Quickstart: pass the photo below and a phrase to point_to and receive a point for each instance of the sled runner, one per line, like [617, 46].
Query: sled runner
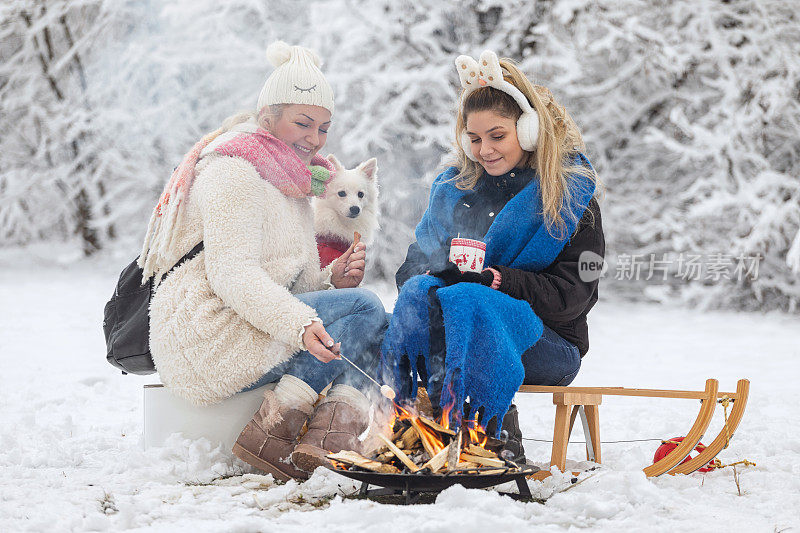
[570, 401]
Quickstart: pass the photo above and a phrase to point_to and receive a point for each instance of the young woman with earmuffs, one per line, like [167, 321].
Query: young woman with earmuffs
[521, 184]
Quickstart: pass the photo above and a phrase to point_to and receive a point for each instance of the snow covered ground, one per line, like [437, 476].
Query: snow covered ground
[71, 456]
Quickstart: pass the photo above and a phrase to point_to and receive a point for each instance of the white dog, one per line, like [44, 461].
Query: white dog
[349, 206]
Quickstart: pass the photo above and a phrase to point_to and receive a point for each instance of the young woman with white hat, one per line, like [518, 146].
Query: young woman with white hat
[253, 307]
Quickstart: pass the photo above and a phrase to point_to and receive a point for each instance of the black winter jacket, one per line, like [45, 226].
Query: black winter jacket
[556, 294]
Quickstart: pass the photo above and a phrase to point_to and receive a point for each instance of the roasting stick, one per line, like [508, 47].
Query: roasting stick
[386, 390]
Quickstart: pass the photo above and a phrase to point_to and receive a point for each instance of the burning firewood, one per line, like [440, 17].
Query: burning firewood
[453, 451]
[384, 456]
[438, 461]
[426, 445]
[353, 458]
[421, 444]
[480, 452]
[437, 427]
[490, 471]
[409, 440]
[423, 404]
[399, 454]
[485, 461]
[398, 430]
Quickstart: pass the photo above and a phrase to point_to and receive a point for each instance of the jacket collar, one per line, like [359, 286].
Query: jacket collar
[511, 182]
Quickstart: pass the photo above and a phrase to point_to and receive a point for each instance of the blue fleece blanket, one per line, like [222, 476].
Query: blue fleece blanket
[486, 331]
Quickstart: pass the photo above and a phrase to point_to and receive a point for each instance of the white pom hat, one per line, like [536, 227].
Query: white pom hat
[296, 79]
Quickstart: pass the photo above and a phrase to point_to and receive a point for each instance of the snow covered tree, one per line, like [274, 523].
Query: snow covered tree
[172, 76]
[101, 99]
[50, 171]
[691, 111]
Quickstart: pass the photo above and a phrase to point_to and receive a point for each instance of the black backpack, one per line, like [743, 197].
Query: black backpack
[126, 320]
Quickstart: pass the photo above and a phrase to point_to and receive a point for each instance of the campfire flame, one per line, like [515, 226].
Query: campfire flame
[415, 442]
[476, 432]
[445, 421]
[430, 438]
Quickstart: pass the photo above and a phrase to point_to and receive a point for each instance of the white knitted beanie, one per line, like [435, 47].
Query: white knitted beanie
[296, 79]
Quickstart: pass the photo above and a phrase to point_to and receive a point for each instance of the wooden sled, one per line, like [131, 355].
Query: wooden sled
[570, 401]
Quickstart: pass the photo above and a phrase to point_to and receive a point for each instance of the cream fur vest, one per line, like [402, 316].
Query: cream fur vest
[222, 320]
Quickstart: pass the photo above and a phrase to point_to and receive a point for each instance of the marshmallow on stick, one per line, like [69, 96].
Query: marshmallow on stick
[386, 390]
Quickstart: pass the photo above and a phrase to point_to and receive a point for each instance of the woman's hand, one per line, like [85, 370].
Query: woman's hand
[450, 274]
[318, 343]
[484, 278]
[348, 270]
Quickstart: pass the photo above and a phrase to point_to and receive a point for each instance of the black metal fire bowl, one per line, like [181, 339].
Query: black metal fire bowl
[412, 485]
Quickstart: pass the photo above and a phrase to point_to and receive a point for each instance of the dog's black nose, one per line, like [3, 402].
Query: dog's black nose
[354, 210]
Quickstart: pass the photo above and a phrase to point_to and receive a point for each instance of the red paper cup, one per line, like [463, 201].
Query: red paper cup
[468, 254]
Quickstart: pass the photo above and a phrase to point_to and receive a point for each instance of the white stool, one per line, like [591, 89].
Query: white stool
[221, 423]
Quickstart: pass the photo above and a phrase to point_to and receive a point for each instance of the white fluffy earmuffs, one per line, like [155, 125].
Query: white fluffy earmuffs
[474, 75]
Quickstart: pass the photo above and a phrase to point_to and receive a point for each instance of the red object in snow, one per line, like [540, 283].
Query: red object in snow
[330, 249]
[669, 445]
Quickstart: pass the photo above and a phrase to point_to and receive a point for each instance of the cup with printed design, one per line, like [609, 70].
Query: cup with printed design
[467, 254]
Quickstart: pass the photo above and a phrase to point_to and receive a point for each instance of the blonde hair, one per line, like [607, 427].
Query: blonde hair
[559, 139]
[262, 118]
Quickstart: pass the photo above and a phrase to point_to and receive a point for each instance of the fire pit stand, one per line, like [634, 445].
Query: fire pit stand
[412, 486]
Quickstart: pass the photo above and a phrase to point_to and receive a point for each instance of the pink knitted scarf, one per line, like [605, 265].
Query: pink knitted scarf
[275, 162]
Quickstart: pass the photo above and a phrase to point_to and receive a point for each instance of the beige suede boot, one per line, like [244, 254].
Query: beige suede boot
[337, 422]
[267, 441]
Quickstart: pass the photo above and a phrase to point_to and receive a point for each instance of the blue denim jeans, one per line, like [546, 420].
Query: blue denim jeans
[551, 361]
[354, 317]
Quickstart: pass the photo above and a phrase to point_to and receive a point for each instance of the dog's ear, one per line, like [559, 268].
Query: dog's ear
[335, 162]
[369, 168]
